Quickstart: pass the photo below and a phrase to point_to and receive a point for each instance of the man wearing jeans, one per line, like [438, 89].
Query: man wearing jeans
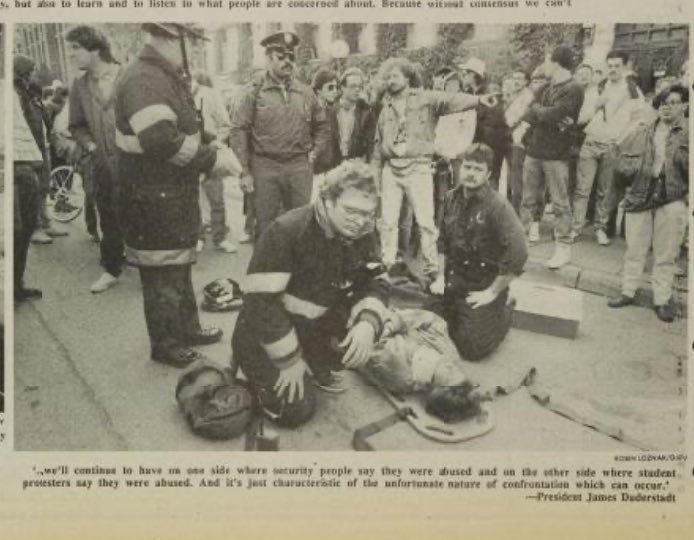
[404, 147]
[610, 110]
[656, 203]
[548, 145]
[92, 123]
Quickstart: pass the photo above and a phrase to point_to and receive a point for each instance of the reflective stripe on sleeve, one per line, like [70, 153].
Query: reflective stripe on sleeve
[128, 143]
[267, 282]
[150, 115]
[186, 152]
[371, 303]
[283, 348]
[304, 308]
[159, 257]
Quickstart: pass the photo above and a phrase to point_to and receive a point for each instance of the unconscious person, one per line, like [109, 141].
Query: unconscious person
[416, 356]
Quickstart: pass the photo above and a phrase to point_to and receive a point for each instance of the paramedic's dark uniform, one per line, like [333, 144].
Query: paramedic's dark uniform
[160, 158]
[481, 238]
[305, 286]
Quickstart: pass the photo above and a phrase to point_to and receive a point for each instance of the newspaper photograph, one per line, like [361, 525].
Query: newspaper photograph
[433, 253]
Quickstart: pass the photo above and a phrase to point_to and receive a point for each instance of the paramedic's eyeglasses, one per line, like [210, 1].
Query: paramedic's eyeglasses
[285, 56]
[354, 214]
[669, 103]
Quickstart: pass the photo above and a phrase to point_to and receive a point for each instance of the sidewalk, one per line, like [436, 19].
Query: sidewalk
[596, 269]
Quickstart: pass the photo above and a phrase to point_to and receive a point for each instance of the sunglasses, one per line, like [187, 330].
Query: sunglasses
[281, 56]
[332, 87]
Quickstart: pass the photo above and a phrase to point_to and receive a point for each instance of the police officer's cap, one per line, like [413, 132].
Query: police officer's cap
[280, 41]
[174, 30]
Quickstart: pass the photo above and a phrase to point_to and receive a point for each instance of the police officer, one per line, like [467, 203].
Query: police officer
[277, 129]
[160, 159]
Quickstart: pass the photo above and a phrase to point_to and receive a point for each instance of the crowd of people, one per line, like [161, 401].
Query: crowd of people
[340, 178]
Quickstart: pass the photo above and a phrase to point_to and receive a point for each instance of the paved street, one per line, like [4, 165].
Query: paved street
[84, 381]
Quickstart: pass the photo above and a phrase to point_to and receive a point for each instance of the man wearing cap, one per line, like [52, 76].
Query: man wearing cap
[160, 159]
[548, 148]
[490, 125]
[276, 130]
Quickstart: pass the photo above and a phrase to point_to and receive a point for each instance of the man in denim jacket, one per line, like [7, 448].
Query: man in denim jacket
[405, 136]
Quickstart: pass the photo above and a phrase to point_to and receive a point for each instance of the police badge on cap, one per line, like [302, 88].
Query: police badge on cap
[280, 41]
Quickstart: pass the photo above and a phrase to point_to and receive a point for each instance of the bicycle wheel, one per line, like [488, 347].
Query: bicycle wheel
[65, 194]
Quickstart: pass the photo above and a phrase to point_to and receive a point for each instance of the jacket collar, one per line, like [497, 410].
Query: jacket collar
[150, 54]
[270, 81]
[675, 126]
[321, 214]
[480, 194]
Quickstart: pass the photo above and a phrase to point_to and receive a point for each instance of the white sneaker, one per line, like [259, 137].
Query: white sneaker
[200, 246]
[105, 282]
[245, 238]
[602, 238]
[574, 236]
[534, 232]
[562, 256]
[226, 247]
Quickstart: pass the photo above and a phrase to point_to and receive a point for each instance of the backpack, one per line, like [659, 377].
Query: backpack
[215, 404]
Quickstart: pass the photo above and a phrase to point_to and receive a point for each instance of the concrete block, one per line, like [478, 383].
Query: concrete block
[547, 309]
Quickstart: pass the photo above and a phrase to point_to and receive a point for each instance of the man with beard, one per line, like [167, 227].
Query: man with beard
[277, 129]
[314, 298]
[405, 136]
[92, 124]
[482, 250]
[160, 159]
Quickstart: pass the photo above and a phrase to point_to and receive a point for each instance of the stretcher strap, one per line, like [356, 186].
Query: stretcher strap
[359, 439]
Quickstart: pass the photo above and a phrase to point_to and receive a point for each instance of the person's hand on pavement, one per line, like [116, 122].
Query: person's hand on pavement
[291, 382]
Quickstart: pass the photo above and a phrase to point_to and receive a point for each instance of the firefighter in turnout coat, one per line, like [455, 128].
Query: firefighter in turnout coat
[160, 159]
[315, 297]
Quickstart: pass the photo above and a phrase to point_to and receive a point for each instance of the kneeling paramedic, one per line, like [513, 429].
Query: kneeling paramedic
[483, 249]
[315, 298]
